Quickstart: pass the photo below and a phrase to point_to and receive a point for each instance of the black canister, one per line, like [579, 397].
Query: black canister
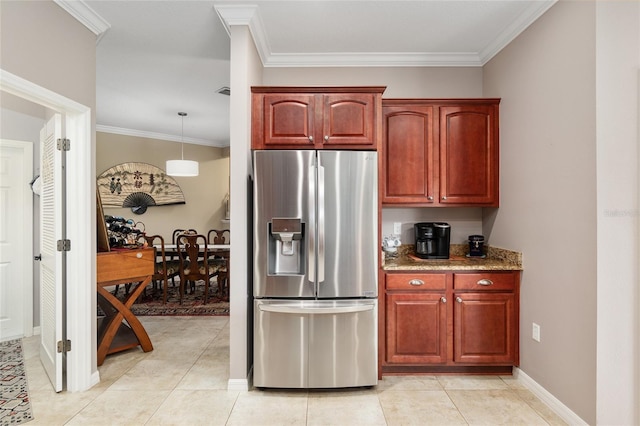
[476, 245]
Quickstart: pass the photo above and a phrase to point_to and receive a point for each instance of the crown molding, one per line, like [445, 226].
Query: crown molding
[85, 15]
[248, 15]
[531, 14]
[161, 136]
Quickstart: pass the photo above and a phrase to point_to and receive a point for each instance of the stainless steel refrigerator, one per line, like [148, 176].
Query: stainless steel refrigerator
[315, 268]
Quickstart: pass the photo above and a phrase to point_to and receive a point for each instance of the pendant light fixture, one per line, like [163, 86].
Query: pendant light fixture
[182, 167]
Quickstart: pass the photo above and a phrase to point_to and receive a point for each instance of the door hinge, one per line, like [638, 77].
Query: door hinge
[64, 346]
[64, 245]
[64, 144]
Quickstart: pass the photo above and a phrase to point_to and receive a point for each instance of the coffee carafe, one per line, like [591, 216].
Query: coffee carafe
[432, 240]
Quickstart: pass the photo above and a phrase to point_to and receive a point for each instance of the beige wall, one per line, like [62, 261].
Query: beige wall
[45, 45]
[204, 195]
[546, 79]
[404, 82]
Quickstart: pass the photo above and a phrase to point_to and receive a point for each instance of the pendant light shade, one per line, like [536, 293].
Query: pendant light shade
[182, 167]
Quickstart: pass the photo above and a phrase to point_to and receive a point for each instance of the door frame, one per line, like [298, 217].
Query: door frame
[26, 147]
[81, 366]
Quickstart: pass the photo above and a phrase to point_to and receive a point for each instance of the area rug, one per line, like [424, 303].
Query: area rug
[150, 303]
[15, 407]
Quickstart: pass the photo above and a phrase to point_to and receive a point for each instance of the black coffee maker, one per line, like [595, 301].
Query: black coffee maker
[432, 240]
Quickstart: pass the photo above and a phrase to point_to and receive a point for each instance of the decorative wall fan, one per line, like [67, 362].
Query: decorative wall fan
[138, 186]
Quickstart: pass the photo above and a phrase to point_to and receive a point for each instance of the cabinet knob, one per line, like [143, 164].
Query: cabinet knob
[443, 299]
[430, 198]
[311, 139]
[459, 299]
[416, 282]
[444, 197]
[484, 281]
[326, 138]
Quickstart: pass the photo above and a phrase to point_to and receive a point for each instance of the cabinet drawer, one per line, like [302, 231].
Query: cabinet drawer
[416, 281]
[124, 264]
[484, 281]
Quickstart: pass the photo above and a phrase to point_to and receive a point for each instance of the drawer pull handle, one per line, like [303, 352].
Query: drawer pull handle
[459, 299]
[416, 282]
[443, 299]
[139, 255]
[485, 281]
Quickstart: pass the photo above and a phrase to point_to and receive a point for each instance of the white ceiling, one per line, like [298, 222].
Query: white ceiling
[156, 58]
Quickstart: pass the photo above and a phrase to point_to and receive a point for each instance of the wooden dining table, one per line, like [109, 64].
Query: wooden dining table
[210, 247]
[222, 250]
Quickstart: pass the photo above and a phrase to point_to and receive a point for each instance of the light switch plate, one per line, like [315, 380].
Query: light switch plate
[535, 335]
[397, 228]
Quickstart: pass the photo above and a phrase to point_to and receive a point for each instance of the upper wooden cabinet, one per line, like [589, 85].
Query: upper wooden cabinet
[316, 117]
[408, 153]
[440, 152]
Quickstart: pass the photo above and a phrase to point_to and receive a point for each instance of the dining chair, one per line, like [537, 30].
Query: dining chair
[221, 236]
[174, 240]
[196, 264]
[177, 232]
[165, 267]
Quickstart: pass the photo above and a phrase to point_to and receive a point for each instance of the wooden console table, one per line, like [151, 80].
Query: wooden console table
[121, 267]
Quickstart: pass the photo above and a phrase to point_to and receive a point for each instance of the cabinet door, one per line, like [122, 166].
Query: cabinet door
[416, 328]
[407, 154]
[484, 328]
[288, 119]
[349, 119]
[469, 154]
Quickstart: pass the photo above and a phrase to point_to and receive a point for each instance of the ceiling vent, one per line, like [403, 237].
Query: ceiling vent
[224, 91]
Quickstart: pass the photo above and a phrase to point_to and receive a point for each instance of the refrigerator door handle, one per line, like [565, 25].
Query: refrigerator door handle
[321, 207]
[284, 309]
[311, 229]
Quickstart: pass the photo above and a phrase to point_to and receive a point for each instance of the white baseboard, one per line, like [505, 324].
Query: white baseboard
[95, 379]
[238, 385]
[545, 396]
[241, 384]
[36, 331]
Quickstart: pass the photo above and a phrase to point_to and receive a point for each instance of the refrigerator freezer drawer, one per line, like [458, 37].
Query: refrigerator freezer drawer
[315, 344]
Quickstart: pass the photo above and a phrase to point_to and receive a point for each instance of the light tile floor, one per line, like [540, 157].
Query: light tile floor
[183, 381]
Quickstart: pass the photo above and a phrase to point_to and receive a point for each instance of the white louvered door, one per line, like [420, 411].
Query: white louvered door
[51, 267]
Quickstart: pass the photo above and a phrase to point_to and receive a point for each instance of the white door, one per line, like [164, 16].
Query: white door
[16, 253]
[51, 270]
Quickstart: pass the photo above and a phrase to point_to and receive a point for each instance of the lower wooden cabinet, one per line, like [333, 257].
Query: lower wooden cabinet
[450, 322]
[484, 328]
[416, 328]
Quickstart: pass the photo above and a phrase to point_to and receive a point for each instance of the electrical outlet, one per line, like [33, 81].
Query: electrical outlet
[397, 228]
[535, 335]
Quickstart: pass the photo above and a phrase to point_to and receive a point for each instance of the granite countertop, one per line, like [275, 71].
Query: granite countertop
[497, 259]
